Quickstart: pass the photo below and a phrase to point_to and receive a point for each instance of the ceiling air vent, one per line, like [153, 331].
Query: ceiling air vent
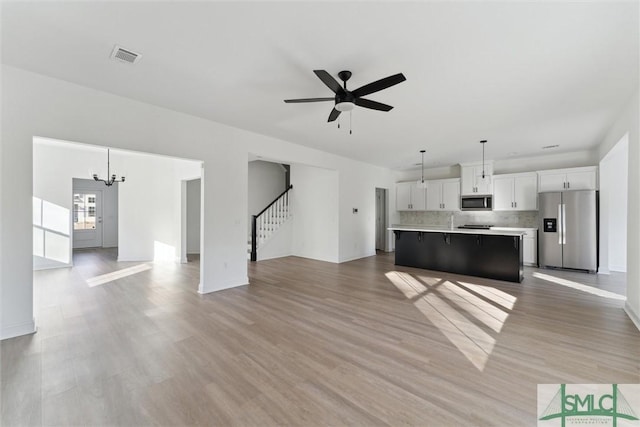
[124, 55]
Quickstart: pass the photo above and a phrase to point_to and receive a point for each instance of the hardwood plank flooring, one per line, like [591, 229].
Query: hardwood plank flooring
[308, 343]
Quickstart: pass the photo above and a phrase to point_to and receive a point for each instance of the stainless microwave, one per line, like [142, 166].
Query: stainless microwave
[476, 203]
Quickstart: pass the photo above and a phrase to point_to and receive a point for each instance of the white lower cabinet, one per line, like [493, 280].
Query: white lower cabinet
[529, 251]
[529, 244]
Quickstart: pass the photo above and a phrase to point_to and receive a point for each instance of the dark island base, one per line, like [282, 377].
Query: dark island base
[491, 256]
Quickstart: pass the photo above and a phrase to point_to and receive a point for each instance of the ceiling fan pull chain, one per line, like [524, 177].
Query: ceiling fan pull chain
[338, 122]
[350, 115]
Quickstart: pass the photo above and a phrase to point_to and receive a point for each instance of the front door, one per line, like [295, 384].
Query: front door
[87, 219]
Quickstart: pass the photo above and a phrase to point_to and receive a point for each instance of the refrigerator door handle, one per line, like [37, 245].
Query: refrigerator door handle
[564, 224]
[560, 224]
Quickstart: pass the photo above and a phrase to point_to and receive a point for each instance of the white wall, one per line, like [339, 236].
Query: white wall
[279, 244]
[613, 175]
[35, 105]
[629, 122]
[193, 216]
[53, 173]
[150, 206]
[109, 205]
[314, 206]
[266, 182]
[149, 201]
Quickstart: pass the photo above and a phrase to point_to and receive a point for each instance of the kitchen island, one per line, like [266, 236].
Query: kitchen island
[485, 253]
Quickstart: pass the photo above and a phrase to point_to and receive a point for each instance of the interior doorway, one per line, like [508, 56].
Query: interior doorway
[193, 219]
[381, 219]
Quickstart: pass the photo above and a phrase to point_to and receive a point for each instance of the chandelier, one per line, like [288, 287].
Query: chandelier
[110, 179]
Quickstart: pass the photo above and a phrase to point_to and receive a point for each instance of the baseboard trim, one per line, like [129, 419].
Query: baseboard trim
[273, 256]
[635, 318]
[221, 287]
[24, 328]
[358, 257]
[125, 259]
[52, 267]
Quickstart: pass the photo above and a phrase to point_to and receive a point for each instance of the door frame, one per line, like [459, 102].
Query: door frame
[383, 205]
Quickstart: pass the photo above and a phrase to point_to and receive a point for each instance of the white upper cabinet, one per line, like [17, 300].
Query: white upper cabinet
[418, 198]
[409, 197]
[473, 183]
[502, 193]
[403, 196]
[515, 192]
[434, 196]
[585, 178]
[525, 192]
[451, 195]
[443, 195]
[582, 179]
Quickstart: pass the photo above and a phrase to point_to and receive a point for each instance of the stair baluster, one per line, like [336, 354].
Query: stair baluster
[265, 223]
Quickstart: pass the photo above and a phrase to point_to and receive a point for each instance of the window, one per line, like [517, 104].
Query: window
[84, 211]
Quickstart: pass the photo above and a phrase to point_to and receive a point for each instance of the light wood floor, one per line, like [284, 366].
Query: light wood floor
[308, 343]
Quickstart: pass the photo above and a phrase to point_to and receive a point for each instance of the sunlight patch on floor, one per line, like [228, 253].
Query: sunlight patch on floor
[450, 305]
[579, 286]
[493, 294]
[487, 313]
[406, 283]
[115, 275]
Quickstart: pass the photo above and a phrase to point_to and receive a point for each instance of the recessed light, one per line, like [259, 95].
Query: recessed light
[546, 147]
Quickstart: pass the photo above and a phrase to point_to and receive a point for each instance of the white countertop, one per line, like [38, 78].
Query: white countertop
[502, 231]
[515, 228]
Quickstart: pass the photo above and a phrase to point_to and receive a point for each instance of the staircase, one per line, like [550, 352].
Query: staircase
[267, 222]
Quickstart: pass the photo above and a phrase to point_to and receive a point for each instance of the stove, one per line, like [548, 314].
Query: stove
[477, 226]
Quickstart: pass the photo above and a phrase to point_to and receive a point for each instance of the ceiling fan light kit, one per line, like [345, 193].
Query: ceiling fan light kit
[345, 100]
[344, 106]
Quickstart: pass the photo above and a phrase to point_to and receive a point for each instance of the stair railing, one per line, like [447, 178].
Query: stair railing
[267, 221]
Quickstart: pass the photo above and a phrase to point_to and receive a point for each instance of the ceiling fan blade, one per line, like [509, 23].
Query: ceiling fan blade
[334, 115]
[328, 80]
[379, 85]
[293, 101]
[366, 103]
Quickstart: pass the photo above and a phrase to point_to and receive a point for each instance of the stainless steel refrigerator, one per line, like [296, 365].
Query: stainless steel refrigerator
[568, 233]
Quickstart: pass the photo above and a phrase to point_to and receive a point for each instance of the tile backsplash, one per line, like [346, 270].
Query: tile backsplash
[528, 219]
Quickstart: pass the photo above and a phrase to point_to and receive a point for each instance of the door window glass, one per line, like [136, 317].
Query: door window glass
[84, 211]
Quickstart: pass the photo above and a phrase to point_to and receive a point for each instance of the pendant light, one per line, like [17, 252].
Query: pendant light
[110, 179]
[422, 183]
[483, 142]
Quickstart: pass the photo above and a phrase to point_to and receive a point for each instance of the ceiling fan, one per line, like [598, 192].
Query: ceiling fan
[344, 99]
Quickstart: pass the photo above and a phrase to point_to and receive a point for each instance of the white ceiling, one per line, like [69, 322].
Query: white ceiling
[521, 74]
